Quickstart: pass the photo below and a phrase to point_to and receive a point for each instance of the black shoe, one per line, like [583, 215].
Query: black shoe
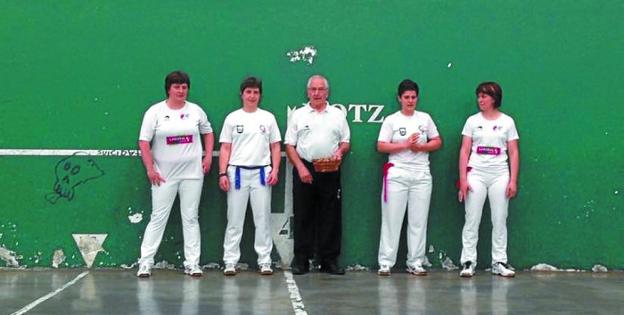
[333, 269]
[299, 269]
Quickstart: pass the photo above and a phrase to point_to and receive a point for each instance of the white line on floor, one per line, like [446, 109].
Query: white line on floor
[295, 297]
[49, 295]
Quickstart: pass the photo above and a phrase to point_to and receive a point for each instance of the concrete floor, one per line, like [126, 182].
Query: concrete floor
[170, 292]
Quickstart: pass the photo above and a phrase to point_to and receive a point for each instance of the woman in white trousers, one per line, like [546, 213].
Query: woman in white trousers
[407, 136]
[171, 148]
[488, 168]
[249, 162]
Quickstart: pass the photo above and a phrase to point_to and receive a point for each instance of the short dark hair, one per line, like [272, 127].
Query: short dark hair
[176, 77]
[407, 85]
[492, 89]
[251, 82]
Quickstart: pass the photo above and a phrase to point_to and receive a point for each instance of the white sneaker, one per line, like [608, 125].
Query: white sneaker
[468, 270]
[193, 271]
[384, 270]
[503, 269]
[265, 269]
[416, 270]
[145, 271]
[230, 270]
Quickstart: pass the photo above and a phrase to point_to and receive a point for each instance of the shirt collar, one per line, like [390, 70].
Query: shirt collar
[311, 109]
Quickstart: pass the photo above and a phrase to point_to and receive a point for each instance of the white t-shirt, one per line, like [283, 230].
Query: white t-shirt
[251, 135]
[489, 141]
[398, 127]
[175, 139]
[317, 134]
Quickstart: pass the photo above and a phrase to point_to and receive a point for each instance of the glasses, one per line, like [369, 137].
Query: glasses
[321, 89]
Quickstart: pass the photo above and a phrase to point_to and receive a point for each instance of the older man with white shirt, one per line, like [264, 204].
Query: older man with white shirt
[317, 131]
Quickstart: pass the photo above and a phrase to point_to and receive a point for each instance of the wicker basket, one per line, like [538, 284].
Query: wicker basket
[326, 165]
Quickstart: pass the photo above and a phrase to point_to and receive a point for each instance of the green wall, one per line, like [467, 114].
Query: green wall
[80, 74]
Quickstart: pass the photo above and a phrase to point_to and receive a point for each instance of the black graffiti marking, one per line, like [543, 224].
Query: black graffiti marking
[118, 152]
[287, 228]
[71, 172]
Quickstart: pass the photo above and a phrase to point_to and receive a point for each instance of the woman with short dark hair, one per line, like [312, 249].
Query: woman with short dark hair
[488, 167]
[407, 136]
[249, 162]
[171, 149]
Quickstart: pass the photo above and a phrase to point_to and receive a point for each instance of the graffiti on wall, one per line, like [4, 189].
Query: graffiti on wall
[71, 172]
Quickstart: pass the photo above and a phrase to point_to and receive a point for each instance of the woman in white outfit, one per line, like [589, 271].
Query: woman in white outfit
[171, 149]
[407, 136]
[488, 167]
[249, 162]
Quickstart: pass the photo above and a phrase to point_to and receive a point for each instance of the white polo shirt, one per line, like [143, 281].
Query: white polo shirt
[251, 135]
[317, 134]
[398, 127]
[489, 141]
[175, 136]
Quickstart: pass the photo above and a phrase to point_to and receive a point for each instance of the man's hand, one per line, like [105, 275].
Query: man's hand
[304, 174]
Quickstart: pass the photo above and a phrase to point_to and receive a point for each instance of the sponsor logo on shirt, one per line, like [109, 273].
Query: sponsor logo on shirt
[262, 129]
[402, 131]
[167, 117]
[499, 128]
[239, 128]
[180, 139]
[184, 116]
[488, 150]
[422, 128]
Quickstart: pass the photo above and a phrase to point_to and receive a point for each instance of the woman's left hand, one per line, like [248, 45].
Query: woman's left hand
[272, 179]
[511, 190]
[206, 163]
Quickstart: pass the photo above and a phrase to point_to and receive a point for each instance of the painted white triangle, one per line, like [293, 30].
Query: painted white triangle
[280, 222]
[282, 237]
[89, 245]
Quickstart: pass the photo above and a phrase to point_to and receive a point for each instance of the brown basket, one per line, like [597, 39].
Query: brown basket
[326, 165]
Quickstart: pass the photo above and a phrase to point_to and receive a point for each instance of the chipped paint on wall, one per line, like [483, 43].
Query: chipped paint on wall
[547, 267]
[448, 264]
[164, 265]
[9, 257]
[305, 54]
[36, 257]
[134, 215]
[58, 258]
[135, 218]
[445, 261]
[212, 266]
[242, 266]
[426, 262]
[356, 268]
[124, 266]
[544, 267]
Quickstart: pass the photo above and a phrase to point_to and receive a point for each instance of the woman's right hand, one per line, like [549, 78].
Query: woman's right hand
[155, 178]
[464, 188]
[224, 183]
